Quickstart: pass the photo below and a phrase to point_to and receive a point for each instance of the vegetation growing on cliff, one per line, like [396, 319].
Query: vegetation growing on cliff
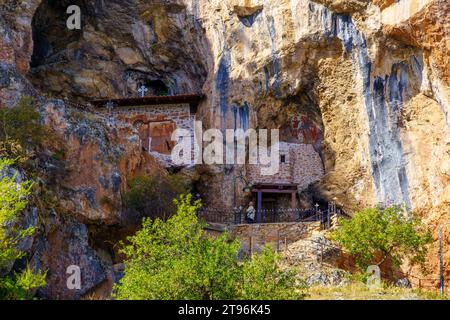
[22, 124]
[175, 260]
[13, 200]
[375, 234]
[21, 132]
[152, 196]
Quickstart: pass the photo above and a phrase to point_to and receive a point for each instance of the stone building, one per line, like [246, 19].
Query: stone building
[299, 166]
[155, 118]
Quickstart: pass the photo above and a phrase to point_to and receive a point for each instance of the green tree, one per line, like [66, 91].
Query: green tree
[263, 279]
[375, 234]
[176, 260]
[13, 200]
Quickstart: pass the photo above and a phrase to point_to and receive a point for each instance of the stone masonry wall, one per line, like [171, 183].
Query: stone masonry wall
[179, 113]
[277, 235]
[302, 166]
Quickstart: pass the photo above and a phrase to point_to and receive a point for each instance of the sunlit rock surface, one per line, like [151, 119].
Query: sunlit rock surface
[369, 78]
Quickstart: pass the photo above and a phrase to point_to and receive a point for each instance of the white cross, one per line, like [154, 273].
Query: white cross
[110, 106]
[142, 90]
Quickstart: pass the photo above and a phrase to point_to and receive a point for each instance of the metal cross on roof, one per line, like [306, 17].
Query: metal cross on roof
[109, 106]
[142, 90]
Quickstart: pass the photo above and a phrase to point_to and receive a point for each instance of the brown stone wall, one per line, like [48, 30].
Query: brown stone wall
[157, 122]
[179, 113]
[302, 166]
[277, 235]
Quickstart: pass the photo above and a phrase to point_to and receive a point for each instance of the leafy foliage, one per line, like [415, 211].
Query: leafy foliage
[13, 199]
[11, 149]
[152, 196]
[22, 124]
[176, 260]
[12, 202]
[21, 285]
[264, 280]
[375, 234]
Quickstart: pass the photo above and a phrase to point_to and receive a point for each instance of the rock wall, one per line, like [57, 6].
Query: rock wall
[84, 174]
[370, 77]
[121, 46]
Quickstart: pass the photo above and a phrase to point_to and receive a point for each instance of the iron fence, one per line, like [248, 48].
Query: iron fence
[280, 215]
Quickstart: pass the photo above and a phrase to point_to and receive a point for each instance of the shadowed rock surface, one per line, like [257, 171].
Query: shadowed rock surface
[368, 79]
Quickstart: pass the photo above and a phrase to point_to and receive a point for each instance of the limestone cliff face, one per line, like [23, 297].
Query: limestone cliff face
[369, 77]
[372, 76]
[100, 155]
[84, 174]
[343, 70]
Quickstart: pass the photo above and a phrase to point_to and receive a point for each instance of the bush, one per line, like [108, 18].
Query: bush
[152, 196]
[21, 285]
[13, 200]
[263, 280]
[375, 234]
[175, 260]
[22, 124]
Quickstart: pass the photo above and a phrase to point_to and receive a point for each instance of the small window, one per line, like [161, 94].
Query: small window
[283, 158]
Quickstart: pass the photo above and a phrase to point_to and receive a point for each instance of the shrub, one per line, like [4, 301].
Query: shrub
[22, 285]
[375, 234]
[175, 260]
[13, 200]
[263, 280]
[22, 124]
[13, 150]
[152, 196]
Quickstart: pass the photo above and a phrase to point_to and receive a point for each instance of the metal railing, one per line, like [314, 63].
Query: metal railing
[280, 215]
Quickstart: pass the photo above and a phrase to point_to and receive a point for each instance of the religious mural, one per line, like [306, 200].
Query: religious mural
[301, 129]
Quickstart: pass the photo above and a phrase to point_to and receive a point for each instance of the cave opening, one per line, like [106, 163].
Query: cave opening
[249, 20]
[157, 88]
[113, 55]
[51, 36]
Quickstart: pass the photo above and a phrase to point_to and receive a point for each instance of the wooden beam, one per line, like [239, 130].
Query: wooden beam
[274, 191]
[294, 200]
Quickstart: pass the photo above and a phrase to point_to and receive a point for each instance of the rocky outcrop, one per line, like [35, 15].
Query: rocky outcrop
[344, 72]
[83, 175]
[369, 79]
[316, 256]
[121, 46]
[59, 250]
[100, 155]
[16, 47]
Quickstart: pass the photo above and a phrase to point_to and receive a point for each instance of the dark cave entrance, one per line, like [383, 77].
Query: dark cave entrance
[84, 64]
[157, 88]
[156, 85]
[50, 33]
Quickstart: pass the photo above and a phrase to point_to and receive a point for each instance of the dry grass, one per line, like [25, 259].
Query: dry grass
[359, 291]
